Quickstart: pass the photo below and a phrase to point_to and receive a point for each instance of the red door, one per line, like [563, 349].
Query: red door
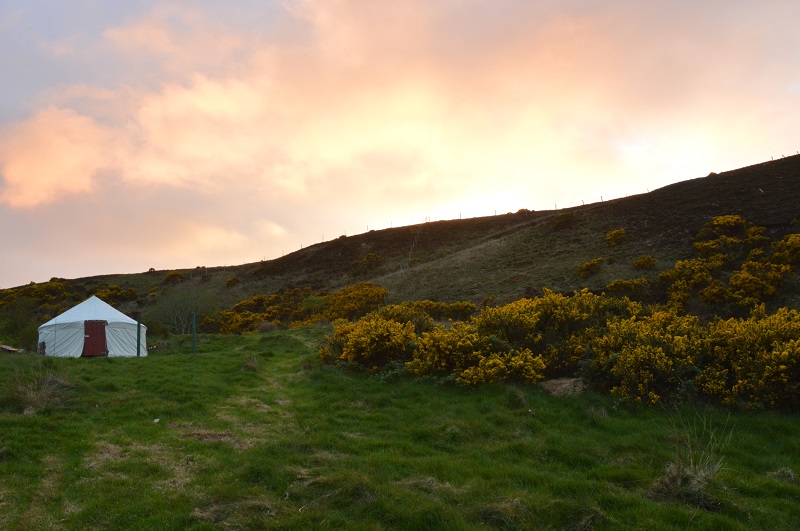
[94, 339]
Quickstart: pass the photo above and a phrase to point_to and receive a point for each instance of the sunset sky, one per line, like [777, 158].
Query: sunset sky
[173, 134]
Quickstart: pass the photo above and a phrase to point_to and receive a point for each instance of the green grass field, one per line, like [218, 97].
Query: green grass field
[253, 432]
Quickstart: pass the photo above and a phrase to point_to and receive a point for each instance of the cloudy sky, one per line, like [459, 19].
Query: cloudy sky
[173, 134]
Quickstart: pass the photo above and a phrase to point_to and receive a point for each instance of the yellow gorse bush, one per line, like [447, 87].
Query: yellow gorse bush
[615, 237]
[787, 251]
[754, 362]
[445, 351]
[648, 354]
[515, 366]
[645, 358]
[371, 342]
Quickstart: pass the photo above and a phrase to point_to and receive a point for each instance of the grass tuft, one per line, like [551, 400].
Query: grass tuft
[36, 390]
[509, 513]
[590, 519]
[517, 399]
[250, 363]
[690, 476]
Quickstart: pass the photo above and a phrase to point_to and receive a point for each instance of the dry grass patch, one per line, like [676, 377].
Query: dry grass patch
[344, 487]
[210, 436]
[180, 467]
[254, 513]
[105, 453]
[250, 433]
[38, 390]
[430, 485]
[250, 403]
[565, 386]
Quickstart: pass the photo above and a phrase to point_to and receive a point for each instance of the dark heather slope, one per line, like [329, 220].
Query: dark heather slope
[514, 255]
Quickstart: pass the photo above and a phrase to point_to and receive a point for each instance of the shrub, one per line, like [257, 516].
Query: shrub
[461, 310]
[729, 235]
[442, 352]
[244, 322]
[754, 362]
[688, 277]
[333, 344]
[116, 294]
[285, 308]
[644, 262]
[587, 269]
[355, 301]
[646, 358]
[716, 294]
[758, 280]
[514, 366]
[366, 265]
[173, 277]
[564, 220]
[628, 288]
[407, 313]
[231, 281]
[787, 251]
[514, 324]
[615, 237]
[374, 341]
[556, 326]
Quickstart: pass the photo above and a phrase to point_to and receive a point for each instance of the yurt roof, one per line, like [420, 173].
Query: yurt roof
[92, 309]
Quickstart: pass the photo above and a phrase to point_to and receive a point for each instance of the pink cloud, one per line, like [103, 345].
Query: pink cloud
[53, 154]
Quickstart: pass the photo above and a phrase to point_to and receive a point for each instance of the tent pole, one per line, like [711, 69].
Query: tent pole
[138, 337]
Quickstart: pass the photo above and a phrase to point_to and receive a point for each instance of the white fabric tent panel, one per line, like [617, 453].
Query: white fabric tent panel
[63, 340]
[121, 340]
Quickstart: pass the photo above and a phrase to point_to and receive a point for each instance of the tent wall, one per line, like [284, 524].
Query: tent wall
[66, 340]
[121, 339]
[62, 340]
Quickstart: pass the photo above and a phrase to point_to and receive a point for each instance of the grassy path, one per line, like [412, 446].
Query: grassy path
[251, 432]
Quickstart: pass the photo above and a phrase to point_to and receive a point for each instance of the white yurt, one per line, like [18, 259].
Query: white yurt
[92, 328]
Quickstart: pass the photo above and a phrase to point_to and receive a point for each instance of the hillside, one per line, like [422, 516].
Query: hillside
[518, 254]
[506, 256]
[510, 255]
